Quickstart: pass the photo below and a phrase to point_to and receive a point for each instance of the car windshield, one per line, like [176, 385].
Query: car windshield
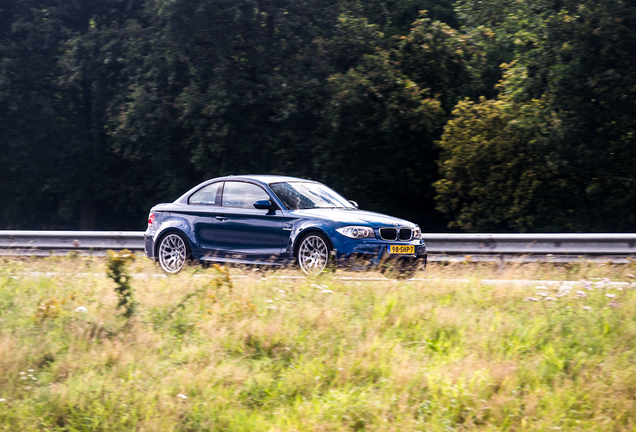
[305, 195]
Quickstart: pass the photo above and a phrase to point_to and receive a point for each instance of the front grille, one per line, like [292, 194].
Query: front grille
[405, 234]
[392, 234]
[388, 233]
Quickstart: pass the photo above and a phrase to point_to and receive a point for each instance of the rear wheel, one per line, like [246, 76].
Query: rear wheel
[173, 253]
[313, 254]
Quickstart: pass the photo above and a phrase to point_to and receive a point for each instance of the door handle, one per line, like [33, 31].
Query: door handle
[221, 218]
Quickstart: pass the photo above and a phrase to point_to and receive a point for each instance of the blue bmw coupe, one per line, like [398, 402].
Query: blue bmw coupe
[267, 220]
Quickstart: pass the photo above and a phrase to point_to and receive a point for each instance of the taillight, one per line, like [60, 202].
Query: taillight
[151, 219]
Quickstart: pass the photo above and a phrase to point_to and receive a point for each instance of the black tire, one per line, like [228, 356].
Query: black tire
[313, 254]
[173, 252]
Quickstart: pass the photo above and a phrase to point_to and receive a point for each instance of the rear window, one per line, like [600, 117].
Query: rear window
[206, 195]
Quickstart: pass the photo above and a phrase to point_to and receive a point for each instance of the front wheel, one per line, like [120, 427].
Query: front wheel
[313, 254]
[173, 253]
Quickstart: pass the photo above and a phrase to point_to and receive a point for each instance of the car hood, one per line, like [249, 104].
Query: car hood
[352, 217]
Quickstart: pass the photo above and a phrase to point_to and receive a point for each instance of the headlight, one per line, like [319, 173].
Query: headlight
[417, 233]
[356, 232]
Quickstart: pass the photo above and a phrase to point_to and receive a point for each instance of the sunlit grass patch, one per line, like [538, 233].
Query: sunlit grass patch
[447, 352]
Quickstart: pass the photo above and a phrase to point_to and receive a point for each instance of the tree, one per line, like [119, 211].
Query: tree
[60, 69]
[496, 167]
[437, 57]
[280, 87]
[396, 17]
[577, 57]
[225, 87]
[379, 147]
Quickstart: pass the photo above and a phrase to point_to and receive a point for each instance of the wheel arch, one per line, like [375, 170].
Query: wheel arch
[302, 235]
[168, 231]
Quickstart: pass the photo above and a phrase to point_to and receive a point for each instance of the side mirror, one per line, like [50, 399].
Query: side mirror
[355, 204]
[263, 205]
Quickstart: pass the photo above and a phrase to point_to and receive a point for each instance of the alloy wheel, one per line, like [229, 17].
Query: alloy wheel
[313, 255]
[172, 253]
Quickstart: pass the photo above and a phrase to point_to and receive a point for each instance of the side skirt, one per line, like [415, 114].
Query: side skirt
[241, 261]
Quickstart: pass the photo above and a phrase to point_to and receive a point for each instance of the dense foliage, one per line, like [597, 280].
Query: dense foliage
[559, 150]
[483, 116]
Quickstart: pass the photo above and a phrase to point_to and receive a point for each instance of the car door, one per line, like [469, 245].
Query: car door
[202, 206]
[240, 229]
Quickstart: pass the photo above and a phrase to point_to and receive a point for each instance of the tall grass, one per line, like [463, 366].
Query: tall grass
[284, 354]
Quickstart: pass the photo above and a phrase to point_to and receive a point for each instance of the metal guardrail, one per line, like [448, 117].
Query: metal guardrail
[572, 244]
[619, 248]
[61, 242]
[489, 247]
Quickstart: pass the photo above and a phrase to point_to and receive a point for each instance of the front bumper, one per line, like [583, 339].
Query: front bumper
[371, 253]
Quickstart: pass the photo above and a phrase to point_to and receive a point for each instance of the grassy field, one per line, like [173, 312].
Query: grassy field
[202, 351]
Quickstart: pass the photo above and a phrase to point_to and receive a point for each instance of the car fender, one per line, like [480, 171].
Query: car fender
[299, 231]
[178, 224]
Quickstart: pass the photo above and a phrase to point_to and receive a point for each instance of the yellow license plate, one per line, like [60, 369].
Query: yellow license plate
[400, 249]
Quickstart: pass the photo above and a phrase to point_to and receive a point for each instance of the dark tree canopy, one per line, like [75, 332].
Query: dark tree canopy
[575, 60]
[484, 116]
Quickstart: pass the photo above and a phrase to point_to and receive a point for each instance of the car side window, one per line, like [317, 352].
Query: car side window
[242, 195]
[206, 195]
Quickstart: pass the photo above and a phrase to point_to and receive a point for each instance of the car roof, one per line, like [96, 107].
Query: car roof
[262, 179]
[265, 178]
